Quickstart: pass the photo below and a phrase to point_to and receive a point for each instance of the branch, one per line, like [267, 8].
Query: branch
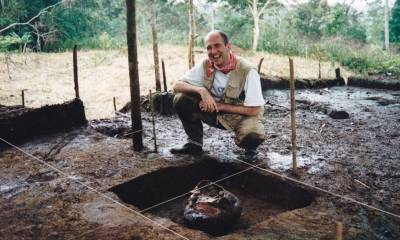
[252, 11]
[44, 10]
[263, 8]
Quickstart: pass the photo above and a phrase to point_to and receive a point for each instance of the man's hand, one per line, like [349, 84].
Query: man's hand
[207, 103]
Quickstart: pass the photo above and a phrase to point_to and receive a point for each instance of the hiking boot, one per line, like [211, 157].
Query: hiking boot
[250, 155]
[188, 148]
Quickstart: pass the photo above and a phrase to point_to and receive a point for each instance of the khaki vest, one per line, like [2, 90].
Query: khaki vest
[232, 92]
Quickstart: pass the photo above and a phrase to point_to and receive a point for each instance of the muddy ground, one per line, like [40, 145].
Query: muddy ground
[357, 157]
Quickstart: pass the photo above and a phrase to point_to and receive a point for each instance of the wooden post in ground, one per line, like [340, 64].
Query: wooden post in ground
[134, 75]
[319, 68]
[293, 114]
[339, 231]
[152, 120]
[23, 97]
[115, 105]
[75, 63]
[386, 24]
[337, 73]
[259, 65]
[155, 54]
[164, 75]
[191, 35]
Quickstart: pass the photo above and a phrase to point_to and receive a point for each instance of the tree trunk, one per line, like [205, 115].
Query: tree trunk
[256, 29]
[386, 25]
[134, 75]
[156, 59]
[191, 35]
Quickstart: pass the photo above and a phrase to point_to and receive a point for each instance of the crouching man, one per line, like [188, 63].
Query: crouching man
[223, 91]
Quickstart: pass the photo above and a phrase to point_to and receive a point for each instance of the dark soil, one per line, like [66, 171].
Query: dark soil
[18, 124]
[381, 81]
[356, 157]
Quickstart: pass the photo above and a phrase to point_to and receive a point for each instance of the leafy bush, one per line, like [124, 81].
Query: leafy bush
[13, 41]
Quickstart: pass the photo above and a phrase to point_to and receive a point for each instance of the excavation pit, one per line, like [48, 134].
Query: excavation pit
[262, 196]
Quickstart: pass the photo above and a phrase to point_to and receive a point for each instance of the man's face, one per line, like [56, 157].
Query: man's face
[217, 51]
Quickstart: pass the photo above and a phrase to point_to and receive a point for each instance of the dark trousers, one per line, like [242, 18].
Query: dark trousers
[249, 132]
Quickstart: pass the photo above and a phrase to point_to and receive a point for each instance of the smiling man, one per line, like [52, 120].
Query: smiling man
[223, 91]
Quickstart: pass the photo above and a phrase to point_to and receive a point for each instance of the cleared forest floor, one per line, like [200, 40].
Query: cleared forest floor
[48, 77]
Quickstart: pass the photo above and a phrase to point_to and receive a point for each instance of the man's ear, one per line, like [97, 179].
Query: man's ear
[229, 45]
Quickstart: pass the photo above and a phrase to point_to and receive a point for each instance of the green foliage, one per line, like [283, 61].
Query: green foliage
[13, 41]
[395, 22]
[314, 29]
[316, 19]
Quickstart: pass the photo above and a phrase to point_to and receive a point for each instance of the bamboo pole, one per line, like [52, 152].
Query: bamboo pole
[339, 231]
[152, 120]
[134, 75]
[75, 63]
[293, 114]
[164, 75]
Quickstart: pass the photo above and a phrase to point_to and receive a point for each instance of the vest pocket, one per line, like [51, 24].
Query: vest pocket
[233, 89]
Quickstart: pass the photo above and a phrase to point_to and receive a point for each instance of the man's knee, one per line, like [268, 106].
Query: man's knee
[250, 134]
[184, 102]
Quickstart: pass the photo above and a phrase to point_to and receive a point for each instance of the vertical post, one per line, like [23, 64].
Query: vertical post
[213, 20]
[134, 75]
[75, 60]
[115, 105]
[293, 114]
[155, 54]
[339, 231]
[386, 12]
[191, 35]
[319, 68]
[152, 120]
[259, 65]
[164, 75]
[339, 78]
[306, 52]
[23, 97]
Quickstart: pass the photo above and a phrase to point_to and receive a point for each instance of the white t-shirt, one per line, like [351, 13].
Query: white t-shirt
[252, 86]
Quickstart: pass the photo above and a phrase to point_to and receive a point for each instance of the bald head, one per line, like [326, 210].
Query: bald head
[217, 32]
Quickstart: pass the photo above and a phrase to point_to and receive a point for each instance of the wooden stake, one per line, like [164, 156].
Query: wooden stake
[319, 68]
[191, 35]
[23, 97]
[75, 62]
[164, 75]
[339, 231]
[155, 54]
[152, 120]
[134, 75]
[293, 114]
[259, 65]
[115, 105]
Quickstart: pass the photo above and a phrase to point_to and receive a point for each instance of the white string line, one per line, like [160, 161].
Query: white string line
[95, 190]
[323, 190]
[172, 199]
[186, 193]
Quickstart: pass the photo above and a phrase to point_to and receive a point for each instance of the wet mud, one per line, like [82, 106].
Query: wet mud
[356, 157]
